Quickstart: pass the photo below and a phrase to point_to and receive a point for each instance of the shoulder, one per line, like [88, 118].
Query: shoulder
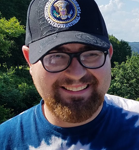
[126, 104]
[123, 113]
[17, 131]
[12, 127]
[22, 116]
[11, 131]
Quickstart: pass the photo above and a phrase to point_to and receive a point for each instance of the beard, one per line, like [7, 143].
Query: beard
[78, 109]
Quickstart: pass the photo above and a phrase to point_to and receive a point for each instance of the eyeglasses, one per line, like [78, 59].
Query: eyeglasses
[59, 61]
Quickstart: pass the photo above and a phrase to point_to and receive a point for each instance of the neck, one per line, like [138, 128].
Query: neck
[58, 122]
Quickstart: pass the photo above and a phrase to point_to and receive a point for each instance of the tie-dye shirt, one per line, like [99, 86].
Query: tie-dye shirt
[115, 128]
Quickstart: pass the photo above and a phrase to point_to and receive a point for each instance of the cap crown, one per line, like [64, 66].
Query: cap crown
[47, 18]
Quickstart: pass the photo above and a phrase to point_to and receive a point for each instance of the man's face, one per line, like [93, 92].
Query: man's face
[76, 93]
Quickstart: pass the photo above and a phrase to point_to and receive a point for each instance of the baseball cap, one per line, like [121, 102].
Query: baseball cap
[51, 23]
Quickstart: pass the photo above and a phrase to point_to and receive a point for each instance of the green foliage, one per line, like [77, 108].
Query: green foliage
[17, 91]
[6, 113]
[121, 50]
[17, 8]
[9, 29]
[125, 78]
[12, 45]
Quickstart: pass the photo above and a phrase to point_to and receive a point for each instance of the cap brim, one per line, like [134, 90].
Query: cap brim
[39, 48]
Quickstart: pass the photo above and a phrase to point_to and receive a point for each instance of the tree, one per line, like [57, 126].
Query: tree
[6, 114]
[17, 91]
[18, 9]
[14, 8]
[9, 29]
[125, 80]
[121, 50]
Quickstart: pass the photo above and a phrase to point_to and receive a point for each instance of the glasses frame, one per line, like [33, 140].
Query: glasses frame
[77, 55]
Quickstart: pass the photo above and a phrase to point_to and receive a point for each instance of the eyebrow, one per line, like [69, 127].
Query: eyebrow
[65, 49]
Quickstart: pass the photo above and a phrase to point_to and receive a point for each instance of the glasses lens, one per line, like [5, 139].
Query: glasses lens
[92, 59]
[56, 62]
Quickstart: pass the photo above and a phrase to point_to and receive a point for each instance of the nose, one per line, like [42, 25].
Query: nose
[75, 71]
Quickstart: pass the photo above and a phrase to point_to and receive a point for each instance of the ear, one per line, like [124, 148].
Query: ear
[25, 51]
[111, 51]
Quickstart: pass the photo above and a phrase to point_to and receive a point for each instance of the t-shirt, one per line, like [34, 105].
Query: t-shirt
[115, 128]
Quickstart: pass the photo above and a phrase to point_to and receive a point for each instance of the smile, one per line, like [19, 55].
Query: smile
[76, 89]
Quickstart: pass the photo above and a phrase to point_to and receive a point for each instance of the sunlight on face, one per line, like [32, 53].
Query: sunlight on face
[78, 109]
[67, 107]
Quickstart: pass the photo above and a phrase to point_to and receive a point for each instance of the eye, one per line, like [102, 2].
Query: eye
[56, 56]
[91, 54]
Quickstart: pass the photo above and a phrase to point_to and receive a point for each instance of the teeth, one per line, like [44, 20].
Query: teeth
[76, 89]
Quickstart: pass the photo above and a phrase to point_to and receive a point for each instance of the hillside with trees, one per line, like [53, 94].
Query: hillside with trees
[17, 92]
[121, 50]
[134, 46]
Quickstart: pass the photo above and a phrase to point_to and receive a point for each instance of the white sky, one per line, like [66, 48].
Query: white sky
[122, 18]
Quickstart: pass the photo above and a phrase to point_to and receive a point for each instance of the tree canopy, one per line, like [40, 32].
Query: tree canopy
[125, 78]
[121, 50]
[14, 8]
[9, 11]
[9, 29]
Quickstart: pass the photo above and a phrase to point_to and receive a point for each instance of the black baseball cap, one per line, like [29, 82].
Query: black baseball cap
[51, 23]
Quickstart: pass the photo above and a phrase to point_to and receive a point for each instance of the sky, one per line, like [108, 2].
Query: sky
[122, 18]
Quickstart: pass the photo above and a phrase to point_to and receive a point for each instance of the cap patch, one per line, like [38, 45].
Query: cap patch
[62, 13]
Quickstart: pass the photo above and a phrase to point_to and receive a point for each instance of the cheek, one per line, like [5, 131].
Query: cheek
[39, 76]
[103, 75]
[42, 79]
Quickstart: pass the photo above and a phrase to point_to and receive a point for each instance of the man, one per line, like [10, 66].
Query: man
[68, 52]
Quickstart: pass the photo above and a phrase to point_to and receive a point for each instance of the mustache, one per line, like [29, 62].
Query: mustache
[88, 79]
